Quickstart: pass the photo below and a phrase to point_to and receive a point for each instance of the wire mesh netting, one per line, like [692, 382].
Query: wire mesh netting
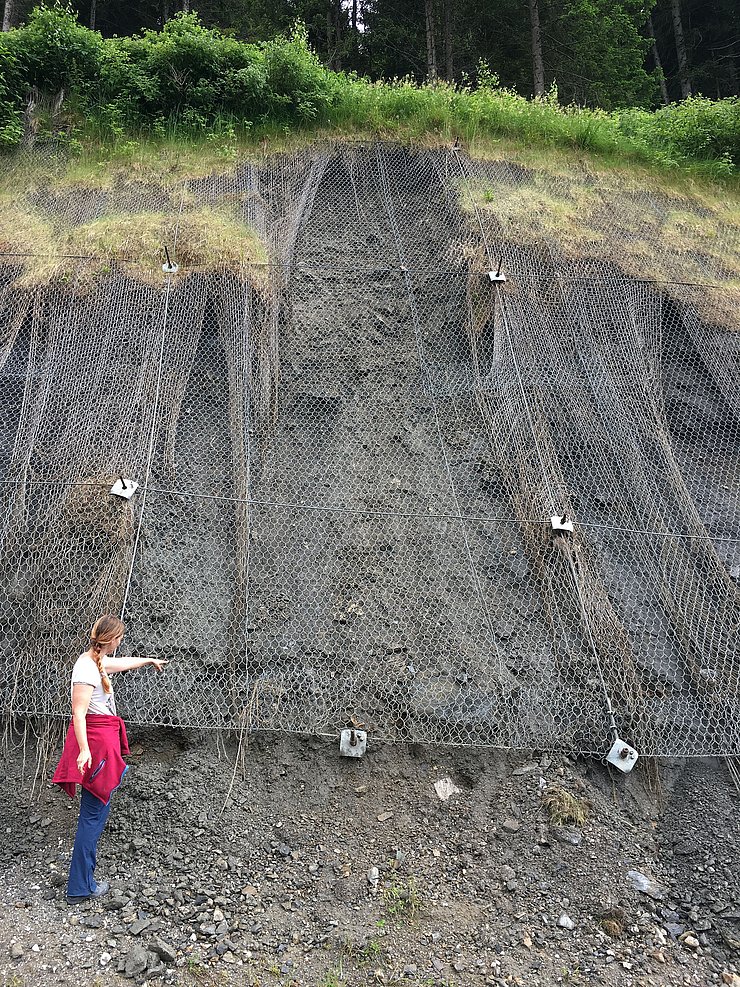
[351, 442]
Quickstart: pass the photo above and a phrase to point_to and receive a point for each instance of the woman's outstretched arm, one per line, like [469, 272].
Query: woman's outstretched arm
[113, 665]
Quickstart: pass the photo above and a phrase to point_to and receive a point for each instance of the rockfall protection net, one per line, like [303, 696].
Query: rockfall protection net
[349, 453]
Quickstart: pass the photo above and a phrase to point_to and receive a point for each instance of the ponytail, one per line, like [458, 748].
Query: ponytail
[105, 631]
[96, 648]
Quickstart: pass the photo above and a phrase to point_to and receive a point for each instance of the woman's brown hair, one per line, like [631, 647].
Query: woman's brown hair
[105, 630]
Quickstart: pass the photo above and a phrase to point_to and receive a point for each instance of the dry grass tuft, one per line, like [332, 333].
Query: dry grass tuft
[24, 232]
[613, 922]
[673, 236]
[205, 238]
[565, 809]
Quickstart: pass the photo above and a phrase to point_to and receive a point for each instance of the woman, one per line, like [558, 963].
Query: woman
[94, 749]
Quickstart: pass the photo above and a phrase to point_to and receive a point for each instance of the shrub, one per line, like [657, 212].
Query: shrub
[299, 86]
[696, 128]
[194, 78]
[53, 52]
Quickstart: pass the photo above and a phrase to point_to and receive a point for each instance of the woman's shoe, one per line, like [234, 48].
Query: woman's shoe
[100, 889]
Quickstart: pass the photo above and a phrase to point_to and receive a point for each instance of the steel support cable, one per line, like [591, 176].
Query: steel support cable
[717, 285]
[652, 553]
[155, 414]
[424, 369]
[435, 515]
[592, 642]
[479, 395]
[499, 300]
[505, 319]
[288, 267]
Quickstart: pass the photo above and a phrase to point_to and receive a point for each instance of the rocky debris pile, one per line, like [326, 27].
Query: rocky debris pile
[414, 866]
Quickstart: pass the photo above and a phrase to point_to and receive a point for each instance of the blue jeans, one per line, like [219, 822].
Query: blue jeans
[93, 816]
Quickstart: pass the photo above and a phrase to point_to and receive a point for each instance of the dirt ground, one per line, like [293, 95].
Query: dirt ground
[308, 869]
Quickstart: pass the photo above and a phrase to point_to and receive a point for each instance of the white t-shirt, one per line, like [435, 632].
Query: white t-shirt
[85, 670]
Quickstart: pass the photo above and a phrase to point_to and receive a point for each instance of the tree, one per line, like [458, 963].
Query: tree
[657, 62]
[538, 68]
[448, 21]
[431, 45]
[8, 15]
[683, 60]
[596, 53]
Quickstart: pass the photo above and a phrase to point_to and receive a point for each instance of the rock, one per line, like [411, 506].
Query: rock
[566, 922]
[511, 825]
[137, 927]
[410, 970]
[105, 959]
[136, 961]
[385, 816]
[566, 835]
[113, 903]
[526, 769]
[507, 873]
[645, 884]
[445, 788]
[732, 941]
[16, 951]
[218, 916]
[731, 979]
[689, 940]
[163, 950]
[373, 876]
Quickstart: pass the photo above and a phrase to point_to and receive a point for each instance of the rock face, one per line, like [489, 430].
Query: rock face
[414, 588]
[314, 882]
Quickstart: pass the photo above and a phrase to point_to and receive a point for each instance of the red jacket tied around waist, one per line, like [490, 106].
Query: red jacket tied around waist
[106, 738]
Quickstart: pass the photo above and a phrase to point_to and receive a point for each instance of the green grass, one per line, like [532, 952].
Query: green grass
[333, 978]
[402, 899]
[487, 122]
[120, 91]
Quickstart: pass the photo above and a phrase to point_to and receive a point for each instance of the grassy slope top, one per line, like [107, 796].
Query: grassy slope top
[651, 223]
[137, 116]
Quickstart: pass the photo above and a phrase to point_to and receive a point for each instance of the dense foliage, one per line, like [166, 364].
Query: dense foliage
[598, 52]
[190, 77]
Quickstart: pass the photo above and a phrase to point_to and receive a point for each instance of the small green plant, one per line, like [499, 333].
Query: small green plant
[195, 969]
[372, 949]
[563, 808]
[333, 978]
[402, 900]
[574, 976]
